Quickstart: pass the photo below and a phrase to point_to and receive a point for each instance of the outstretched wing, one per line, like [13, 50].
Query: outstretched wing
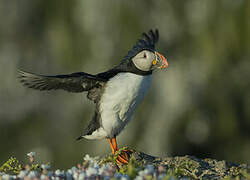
[75, 82]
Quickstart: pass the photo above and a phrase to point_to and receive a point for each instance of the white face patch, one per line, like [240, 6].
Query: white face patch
[143, 60]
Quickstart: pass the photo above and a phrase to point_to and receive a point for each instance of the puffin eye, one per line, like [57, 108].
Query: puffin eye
[144, 55]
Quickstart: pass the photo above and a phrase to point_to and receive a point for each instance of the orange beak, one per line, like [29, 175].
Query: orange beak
[163, 60]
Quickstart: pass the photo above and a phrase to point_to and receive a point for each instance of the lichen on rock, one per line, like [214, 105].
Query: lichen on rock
[141, 166]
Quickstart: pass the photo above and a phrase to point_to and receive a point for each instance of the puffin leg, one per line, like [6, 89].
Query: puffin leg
[115, 144]
[123, 157]
[111, 145]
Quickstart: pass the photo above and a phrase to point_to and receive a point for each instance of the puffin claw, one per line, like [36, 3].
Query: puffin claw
[121, 160]
[123, 156]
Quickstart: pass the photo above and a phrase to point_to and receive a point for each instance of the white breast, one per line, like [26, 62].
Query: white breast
[121, 96]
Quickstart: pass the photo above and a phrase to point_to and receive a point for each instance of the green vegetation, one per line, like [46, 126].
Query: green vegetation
[11, 166]
[14, 166]
[150, 167]
[186, 166]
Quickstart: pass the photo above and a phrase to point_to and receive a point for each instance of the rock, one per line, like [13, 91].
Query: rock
[141, 166]
[192, 167]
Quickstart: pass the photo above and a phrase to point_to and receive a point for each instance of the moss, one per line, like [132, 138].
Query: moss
[189, 166]
[171, 167]
[132, 168]
[107, 159]
[11, 166]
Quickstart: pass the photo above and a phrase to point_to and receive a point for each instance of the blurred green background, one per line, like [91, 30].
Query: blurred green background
[200, 107]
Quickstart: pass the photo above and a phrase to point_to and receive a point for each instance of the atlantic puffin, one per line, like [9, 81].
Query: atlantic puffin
[116, 92]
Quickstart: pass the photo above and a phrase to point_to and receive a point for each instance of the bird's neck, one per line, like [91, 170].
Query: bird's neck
[130, 67]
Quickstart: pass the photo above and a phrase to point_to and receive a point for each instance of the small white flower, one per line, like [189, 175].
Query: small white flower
[45, 166]
[91, 171]
[82, 176]
[70, 171]
[87, 158]
[58, 172]
[43, 177]
[69, 175]
[90, 159]
[74, 169]
[22, 174]
[6, 177]
[32, 174]
[142, 173]
[100, 170]
[75, 175]
[31, 154]
[106, 166]
[139, 178]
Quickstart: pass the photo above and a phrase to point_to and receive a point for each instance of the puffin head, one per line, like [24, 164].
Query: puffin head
[147, 61]
[144, 56]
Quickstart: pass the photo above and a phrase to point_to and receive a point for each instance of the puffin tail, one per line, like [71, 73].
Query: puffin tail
[80, 137]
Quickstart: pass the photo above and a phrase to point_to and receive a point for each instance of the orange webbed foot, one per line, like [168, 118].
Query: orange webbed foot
[123, 156]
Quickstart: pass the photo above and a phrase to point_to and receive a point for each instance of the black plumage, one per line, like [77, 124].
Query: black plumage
[146, 43]
[93, 84]
[81, 81]
[75, 82]
[94, 124]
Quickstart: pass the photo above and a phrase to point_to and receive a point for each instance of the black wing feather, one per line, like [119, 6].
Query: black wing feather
[75, 82]
[146, 37]
[147, 42]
